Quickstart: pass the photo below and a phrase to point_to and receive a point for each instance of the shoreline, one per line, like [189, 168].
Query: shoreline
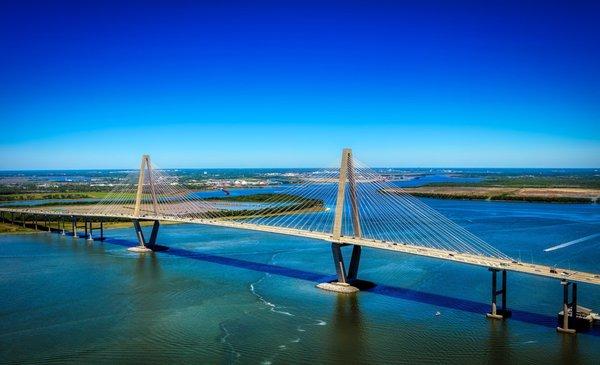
[533, 195]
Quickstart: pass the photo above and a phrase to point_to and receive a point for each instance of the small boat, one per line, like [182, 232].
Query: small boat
[584, 316]
[438, 313]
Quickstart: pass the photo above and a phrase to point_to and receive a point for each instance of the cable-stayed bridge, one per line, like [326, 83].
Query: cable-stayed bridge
[350, 205]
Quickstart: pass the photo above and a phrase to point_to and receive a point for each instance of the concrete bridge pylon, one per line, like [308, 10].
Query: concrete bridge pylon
[345, 278]
[145, 172]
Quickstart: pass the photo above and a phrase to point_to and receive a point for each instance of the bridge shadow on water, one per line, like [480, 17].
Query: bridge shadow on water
[386, 290]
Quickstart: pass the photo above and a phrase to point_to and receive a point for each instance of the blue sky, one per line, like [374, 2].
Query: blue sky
[289, 83]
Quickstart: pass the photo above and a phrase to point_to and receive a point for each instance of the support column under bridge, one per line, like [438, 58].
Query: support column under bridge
[145, 245]
[502, 312]
[568, 315]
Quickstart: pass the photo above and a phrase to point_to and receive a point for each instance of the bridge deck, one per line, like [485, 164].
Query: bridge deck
[484, 261]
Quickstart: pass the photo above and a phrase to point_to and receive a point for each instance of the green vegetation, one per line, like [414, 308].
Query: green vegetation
[296, 204]
[500, 196]
[39, 196]
[7, 228]
[532, 181]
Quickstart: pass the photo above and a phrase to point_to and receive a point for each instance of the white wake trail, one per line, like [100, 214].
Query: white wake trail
[567, 244]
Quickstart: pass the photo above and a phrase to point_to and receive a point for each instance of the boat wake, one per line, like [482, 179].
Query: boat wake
[567, 244]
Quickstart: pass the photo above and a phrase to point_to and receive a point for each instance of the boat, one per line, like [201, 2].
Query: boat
[585, 317]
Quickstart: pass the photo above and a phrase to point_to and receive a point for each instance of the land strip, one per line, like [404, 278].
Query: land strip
[546, 194]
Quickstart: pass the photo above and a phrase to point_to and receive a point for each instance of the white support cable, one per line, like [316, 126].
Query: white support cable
[301, 194]
[369, 212]
[487, 249]
[423, 219]
[319, 217]
[195, 208]
[316, 194]
[293, 191]
[106, 204]
[298, 197]
[311, 217]
[319, 223]
[383, 205]
[453, 229]
[276, 204]
[309, 190]
[413, 220]
[377, 229]
[388, 213]
[437, 237]
[367, 223]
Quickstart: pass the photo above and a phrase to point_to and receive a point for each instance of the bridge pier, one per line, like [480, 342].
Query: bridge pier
[89, 232]
[74, 226]
[345, 278]
[146, 246]
[569, 320]
[61, 224]
[502, 312]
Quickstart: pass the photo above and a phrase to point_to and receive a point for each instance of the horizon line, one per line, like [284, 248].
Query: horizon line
[296, 167]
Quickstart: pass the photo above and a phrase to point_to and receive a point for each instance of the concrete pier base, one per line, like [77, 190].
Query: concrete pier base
[568, 331]
[90, 238]
[499, 314]
[139, 249]
[147, 245]
[338, 287]
[353, 286]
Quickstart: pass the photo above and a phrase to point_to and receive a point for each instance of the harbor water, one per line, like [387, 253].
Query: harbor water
[230, 296]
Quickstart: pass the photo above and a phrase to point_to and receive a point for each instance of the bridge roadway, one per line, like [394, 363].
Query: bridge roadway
[484, 261]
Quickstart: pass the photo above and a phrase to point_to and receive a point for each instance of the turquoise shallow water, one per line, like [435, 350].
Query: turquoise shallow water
[225, 296]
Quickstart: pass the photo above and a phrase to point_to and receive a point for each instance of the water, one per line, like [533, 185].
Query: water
[436, 178]
[226, 296]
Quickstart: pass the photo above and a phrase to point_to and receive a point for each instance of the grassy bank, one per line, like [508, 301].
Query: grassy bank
[550, 195]
[7, 228]
[531, 181]
[17, 227]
